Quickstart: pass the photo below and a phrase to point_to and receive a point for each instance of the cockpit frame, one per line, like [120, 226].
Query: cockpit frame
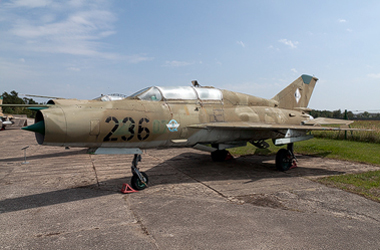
[179, 94]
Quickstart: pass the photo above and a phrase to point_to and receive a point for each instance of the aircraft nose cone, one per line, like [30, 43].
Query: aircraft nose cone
[38, 127]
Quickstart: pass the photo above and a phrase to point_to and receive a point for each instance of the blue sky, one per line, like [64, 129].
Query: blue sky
[81, 49]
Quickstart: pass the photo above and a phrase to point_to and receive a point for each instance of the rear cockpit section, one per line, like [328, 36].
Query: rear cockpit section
[66, 102]
[178, 93]
[110, 97]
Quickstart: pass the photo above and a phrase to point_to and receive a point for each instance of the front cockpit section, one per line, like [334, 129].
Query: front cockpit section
[148, 94]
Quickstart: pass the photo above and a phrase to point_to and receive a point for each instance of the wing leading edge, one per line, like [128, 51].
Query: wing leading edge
[265, 126]
[291, 133]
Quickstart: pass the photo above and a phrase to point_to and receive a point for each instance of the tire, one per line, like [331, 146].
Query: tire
[137, 184]
[284, 160]
[219, 155]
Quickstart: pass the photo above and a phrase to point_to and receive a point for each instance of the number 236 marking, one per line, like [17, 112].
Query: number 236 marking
[142, 132]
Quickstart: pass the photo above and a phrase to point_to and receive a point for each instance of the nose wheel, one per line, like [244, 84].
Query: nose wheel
[139, 180]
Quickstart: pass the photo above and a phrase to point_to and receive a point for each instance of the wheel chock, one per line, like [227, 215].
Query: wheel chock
[126, 189]
[228, 157]
[294, 165]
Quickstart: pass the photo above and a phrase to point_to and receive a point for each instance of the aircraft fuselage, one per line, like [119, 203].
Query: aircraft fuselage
[131, 123]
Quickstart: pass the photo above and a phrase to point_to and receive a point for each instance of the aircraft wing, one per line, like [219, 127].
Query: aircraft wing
[291, 133]
[327, 121]
[25, 105]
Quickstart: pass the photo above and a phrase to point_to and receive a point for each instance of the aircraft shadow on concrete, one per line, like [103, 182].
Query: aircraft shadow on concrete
[44, 156]
[183, 168]
[200, 167]
[49, 198]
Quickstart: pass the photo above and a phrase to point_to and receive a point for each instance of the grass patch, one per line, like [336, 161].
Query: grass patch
[366, 184]
[329, 148]
[361, 136]
[341, 150]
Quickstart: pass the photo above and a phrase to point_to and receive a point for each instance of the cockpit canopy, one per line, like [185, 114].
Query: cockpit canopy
[178, 93]
[110, 97]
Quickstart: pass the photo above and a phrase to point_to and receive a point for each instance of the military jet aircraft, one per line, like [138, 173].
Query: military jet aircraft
[204, 118]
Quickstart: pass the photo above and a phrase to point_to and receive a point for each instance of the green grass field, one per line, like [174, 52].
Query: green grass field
[335, 149]
[366, 184]
[363, 147]
[360, 136]
[340, 149]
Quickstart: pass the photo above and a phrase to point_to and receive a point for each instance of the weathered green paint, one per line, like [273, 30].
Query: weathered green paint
[38, 127]
[37, 108]
[159, 126]
[306, 79]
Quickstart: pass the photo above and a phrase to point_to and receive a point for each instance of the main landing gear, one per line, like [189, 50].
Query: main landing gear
[221, 155]
[139, 180]
[285, 158]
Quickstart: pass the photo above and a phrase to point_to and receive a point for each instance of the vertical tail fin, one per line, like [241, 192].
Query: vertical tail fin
[297, 94]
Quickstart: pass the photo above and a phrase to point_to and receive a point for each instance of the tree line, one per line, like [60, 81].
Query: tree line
[345, 115]
[13, 98]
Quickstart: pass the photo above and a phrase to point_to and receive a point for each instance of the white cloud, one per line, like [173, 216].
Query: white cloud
[73, 69]
[241, 43]
[274, 48]
[294, 70]
[138, 58]
[217, 62]
[76, 3]
[87, 25]
[342, 20]
[177, 64]
[289, 43]
[70, 27]
[29, 3]
[376, 76]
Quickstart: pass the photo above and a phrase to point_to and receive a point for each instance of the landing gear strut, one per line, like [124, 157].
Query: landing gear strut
[139, 180]
[285, 158]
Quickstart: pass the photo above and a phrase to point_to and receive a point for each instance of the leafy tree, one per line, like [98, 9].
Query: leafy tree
[13, 98]
[337, 114]
[350, 115]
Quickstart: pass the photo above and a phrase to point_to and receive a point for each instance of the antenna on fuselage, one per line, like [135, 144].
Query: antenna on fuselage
[195, 83]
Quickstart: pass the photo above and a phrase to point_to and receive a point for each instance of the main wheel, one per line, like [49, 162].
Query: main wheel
[137, 184]
[219, 155]
[284, 159]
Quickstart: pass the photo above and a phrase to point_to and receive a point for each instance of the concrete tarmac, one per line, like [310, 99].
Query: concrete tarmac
[67, 199]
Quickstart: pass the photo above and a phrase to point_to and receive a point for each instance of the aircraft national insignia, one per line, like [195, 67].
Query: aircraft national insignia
[172, 125]
[297, 95]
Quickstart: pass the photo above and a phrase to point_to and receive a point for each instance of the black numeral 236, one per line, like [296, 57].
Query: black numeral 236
[131, 129]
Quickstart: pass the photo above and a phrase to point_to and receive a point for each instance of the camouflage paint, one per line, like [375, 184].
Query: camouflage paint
[134, 123]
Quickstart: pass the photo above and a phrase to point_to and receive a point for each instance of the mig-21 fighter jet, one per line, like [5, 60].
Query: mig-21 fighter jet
[204, 118]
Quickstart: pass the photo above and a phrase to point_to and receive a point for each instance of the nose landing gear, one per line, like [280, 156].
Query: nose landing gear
[139, 180]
